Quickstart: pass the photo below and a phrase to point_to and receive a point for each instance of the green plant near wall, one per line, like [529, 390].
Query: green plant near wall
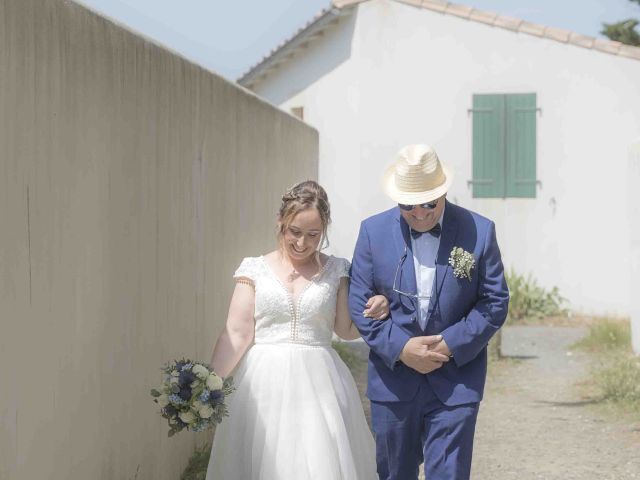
[198, 463]
[528, 300]
[348, 357]
[607, 335]
[616, 370]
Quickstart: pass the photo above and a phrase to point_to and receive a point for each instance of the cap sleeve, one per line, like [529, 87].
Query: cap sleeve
[343, 267]
[246, 270]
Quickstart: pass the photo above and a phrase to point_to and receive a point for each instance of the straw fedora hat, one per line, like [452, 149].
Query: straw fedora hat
[417, 176]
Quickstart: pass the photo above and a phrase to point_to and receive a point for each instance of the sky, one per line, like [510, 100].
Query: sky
[228, 37]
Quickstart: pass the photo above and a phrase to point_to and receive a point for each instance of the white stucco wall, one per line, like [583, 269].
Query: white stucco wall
[633, 182]
[410, 78]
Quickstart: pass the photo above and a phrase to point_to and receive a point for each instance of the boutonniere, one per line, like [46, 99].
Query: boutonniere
[462, 262]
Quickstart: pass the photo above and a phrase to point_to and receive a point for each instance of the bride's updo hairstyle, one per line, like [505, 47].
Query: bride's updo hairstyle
[300, 197]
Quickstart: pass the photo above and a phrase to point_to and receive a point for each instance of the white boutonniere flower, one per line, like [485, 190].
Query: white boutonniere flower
[462, 262]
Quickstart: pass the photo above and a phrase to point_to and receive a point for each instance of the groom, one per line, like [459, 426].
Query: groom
[440, 267]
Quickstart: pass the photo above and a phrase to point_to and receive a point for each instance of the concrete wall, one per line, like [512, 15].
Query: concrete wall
[131, 185]
[410, 78]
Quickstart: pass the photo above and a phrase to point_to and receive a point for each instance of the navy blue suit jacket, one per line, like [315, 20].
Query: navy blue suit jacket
[465, 312]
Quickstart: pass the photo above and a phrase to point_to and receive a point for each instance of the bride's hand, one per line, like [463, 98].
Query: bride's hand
[377, 308]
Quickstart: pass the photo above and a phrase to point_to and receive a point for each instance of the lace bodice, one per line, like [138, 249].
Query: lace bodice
[310, 320]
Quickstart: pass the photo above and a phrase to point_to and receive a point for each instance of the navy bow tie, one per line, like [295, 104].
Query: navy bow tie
[435, 231]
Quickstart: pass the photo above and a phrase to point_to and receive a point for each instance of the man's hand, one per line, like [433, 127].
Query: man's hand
[441, 347]
[418, 354]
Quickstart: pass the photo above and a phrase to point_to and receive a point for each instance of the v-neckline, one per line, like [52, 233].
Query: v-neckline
[295, 300]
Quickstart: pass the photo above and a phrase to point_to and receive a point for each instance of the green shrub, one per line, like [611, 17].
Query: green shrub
[348, 356]
[617, 374]
[607, 335]
[198, 463]
[528, 300]
[619, 380]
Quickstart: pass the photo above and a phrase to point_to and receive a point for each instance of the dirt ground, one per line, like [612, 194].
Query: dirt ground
[538, 421]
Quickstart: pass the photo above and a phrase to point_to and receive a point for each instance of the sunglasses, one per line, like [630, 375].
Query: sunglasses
[428, 205]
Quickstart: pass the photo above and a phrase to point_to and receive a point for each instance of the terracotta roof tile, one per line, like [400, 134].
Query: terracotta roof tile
[532, 29]
[484, 17]
[607, 46]
[459, 10]
[581, 40]
[629, 51]
[507, 22]
[415, 3]
[435, 5]
[557, 34]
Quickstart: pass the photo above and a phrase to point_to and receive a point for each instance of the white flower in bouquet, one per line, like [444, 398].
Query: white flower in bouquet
[187, 417]
[206, 411]
[163, 400]
[200, 371]
[214, 382]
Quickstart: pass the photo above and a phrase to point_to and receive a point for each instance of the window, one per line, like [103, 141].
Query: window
[504, 145]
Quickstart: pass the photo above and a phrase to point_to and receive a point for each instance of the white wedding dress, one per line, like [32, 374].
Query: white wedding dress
[296, 413]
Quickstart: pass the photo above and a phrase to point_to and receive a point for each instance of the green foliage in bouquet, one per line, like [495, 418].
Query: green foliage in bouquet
[528, 300]
[191, 396]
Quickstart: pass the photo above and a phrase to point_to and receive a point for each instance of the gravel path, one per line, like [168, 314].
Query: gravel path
[535, 424]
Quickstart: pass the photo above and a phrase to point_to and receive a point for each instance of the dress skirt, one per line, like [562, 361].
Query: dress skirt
[295, 415]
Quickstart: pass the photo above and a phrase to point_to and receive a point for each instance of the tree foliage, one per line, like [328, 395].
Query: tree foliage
[624, 31]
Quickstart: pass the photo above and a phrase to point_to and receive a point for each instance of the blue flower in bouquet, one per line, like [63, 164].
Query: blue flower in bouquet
[187, 366]
[186, 378]
[216, 397]
[204, 396]
[175, 399]
[185, 393]
[200, 426]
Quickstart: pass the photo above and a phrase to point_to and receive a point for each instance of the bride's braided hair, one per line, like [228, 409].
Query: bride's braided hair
[300, 197]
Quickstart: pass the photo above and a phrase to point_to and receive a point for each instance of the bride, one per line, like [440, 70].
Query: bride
[296, 413]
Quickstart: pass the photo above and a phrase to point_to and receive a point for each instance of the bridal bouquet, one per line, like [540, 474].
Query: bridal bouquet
[191, 396]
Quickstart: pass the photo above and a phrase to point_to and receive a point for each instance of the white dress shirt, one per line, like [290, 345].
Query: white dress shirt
[425, 251]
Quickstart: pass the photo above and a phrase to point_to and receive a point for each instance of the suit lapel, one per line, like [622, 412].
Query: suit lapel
[406, 280]
[447, 242]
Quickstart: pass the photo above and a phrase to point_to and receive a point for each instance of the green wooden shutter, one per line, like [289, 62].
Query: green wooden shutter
[520, 138]
[488, 146]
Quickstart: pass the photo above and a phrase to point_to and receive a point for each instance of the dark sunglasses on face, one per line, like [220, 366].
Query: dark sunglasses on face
[428, 205]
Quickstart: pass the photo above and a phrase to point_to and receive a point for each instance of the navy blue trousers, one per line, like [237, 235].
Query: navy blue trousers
[423, 429]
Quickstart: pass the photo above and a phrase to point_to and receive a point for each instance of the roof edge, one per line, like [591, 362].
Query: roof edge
[300, 39]
[522, 26]
[316, 26]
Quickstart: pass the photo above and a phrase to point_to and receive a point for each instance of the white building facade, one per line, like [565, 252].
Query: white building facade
[536, 122]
